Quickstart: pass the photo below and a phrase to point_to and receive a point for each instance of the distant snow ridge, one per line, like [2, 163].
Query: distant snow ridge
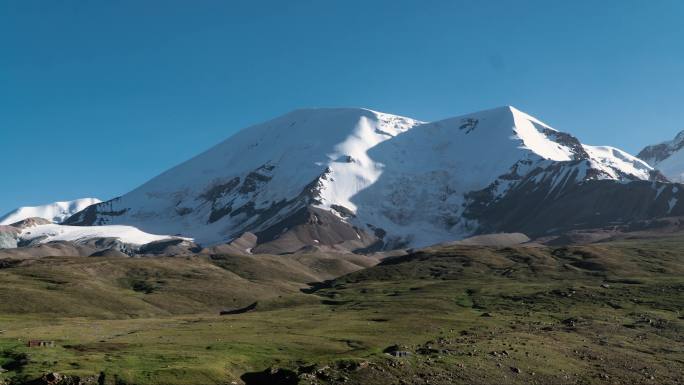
[333, 176]
[54, 232]
[613, 162]
[667, 157]
[56, 212]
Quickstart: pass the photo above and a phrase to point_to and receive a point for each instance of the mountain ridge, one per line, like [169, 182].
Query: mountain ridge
[667, 156]
[389, 181]
[54, 212]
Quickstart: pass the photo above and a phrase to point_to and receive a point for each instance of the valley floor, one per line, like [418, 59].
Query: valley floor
[600, 314]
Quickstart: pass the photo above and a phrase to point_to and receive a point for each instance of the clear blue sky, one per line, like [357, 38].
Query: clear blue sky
[96, 97]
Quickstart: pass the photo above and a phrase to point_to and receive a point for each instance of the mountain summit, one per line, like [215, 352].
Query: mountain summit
[360, 179]
[55, 212]
[668, 157]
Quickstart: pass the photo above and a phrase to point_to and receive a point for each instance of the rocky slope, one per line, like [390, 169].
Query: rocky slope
[358, 179]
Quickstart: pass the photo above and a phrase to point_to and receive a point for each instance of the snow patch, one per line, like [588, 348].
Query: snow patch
[671, 204]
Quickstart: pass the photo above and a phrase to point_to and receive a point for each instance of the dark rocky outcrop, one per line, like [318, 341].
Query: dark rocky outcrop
[169, 247]
[656, 153]
[95, 214]
[241, 310]
[539, 209]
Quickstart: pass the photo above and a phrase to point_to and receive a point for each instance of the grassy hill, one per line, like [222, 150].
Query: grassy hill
[149, 287]
[597, 314]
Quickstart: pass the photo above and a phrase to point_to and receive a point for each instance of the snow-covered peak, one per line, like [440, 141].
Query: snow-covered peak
[383, 173]
[300, 141]
[667, 157]
[498, 126]
[53, 232]
[55, 212]
[614, 161]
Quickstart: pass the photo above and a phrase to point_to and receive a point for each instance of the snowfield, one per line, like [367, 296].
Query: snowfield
[55, 232]
[612, 160]
[667, 157]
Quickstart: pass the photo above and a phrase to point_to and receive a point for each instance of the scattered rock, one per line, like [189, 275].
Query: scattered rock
[563, 293]
[571, 322]
[55, 378]
[52, 378]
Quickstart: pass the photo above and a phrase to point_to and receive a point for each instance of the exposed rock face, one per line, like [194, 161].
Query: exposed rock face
[656, 153]
[62, 379]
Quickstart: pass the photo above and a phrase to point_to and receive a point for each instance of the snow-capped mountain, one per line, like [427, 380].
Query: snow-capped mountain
[667, 157]
[362, 178]
[55, 212]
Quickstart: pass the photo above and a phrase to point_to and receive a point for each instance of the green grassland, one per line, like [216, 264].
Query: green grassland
[607, 313]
